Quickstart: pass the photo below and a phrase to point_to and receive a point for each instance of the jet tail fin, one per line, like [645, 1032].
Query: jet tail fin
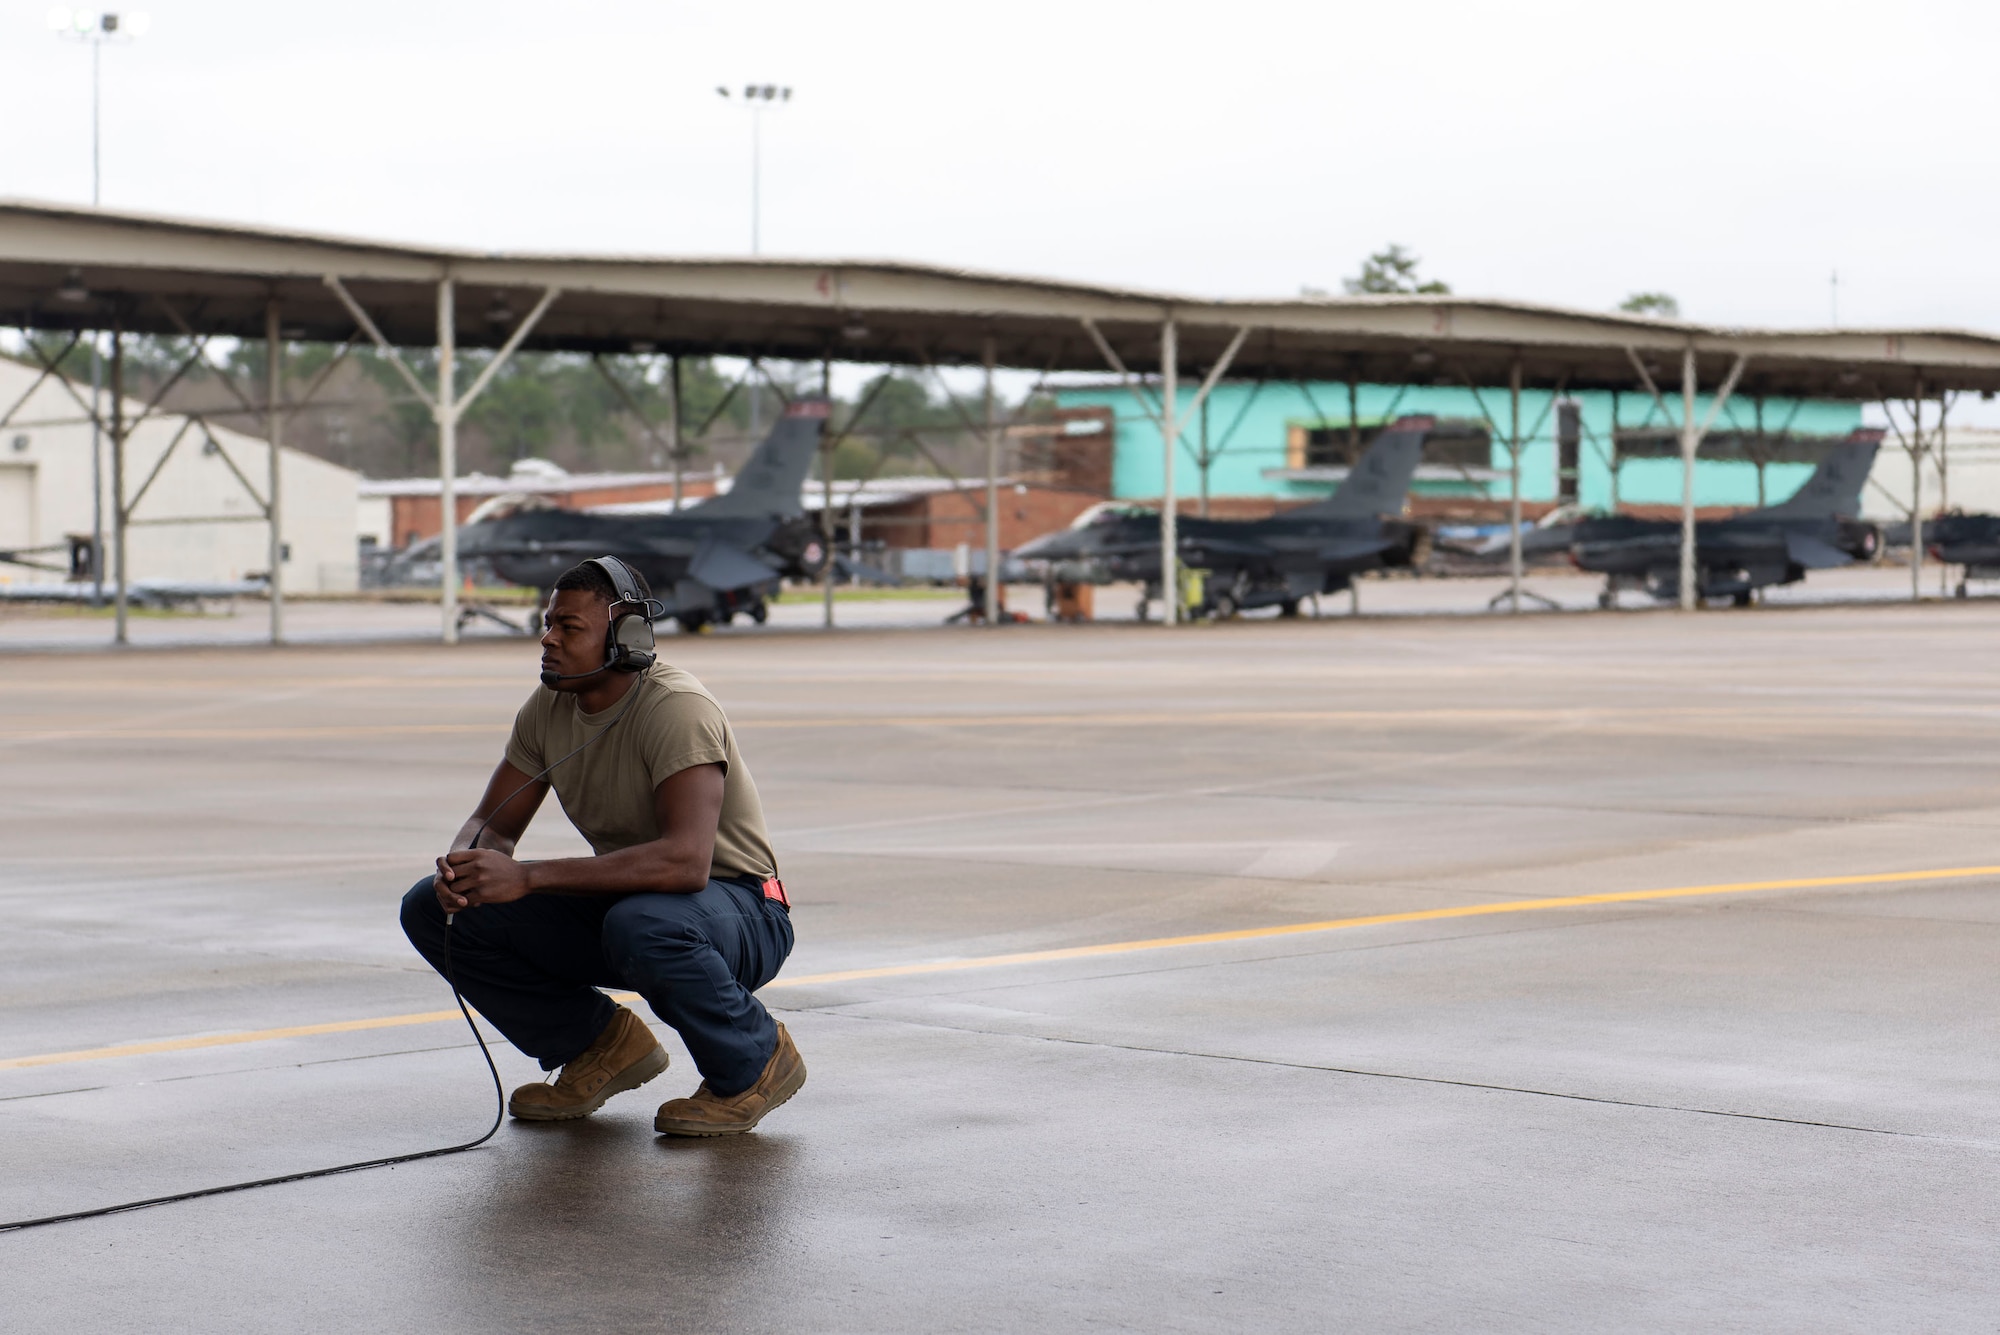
[1834, 489]
[1380, 479]
[772, 479]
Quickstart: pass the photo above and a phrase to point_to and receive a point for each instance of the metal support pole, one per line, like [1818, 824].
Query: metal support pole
[854, 532]
[445, 407]
[274, 351]
[1690, 442]
[826, 492]
[674, 423]
[118, 476]
[992, 606]
[1763, 450]
[1170, 546]
[1917, 493]
[96, 472]
[96, 159]
[1614, 451]
[1940, 446]
[1514, 487]
[1206, 461]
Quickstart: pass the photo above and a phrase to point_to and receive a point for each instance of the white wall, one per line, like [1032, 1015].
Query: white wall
[372, 520]
[48, 435]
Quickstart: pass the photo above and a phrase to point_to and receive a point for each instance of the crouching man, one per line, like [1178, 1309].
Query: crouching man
[681, 902]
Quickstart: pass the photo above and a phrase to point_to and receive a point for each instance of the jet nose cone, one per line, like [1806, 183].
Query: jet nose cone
[1039, 549]
[1061, 545]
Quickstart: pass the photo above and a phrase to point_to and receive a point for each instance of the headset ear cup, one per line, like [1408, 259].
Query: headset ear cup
[632, 643]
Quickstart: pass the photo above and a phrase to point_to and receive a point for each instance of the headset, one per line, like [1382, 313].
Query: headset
[628, 647]
[628, 640]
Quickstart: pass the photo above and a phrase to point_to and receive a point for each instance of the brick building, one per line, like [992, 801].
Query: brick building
[396, 512]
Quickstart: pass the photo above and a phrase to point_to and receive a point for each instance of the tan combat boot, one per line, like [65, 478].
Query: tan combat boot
[707, 1114]
[625, 1056]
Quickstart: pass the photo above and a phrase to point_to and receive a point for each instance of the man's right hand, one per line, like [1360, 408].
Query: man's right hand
[448, 899]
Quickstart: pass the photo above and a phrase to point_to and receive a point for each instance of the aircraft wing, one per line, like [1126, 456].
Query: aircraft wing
[1351, 549]
[1814, 554]
[1116, 549]
[1214, 546]
[722, 566]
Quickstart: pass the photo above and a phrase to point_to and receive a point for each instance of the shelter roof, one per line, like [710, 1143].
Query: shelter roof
[218, 278]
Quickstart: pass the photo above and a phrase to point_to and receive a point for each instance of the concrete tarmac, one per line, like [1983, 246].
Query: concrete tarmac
[41, 628]
[1035, 1103]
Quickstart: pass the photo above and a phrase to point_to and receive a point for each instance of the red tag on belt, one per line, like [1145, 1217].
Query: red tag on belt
[775, 889]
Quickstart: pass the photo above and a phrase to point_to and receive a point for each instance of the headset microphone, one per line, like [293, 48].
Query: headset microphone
[550, 676]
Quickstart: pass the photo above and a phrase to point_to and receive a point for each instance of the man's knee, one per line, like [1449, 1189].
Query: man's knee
[423, 916]
[644, 935]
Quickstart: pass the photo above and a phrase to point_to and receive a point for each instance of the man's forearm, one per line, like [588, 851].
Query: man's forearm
[658, 867]
[492, 839]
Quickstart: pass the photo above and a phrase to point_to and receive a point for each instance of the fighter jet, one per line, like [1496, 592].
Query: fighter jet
[1274, 562]
[1734, 557]
[1971, 541]
[723, 555]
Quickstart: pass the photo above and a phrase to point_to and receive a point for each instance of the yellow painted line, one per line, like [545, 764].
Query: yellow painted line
[1065, 953]
[226, 1040]
[1382, 919]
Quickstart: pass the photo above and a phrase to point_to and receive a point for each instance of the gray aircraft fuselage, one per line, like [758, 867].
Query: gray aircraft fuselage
[1251, 563]
[1273, 562]
[1964, 540]
[723, 555]
[1734, 557]
[534, 547]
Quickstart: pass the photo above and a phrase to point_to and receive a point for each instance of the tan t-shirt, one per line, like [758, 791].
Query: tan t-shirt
[607, 790]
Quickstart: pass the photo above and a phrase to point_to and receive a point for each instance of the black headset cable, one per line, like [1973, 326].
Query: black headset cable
[499, 1095]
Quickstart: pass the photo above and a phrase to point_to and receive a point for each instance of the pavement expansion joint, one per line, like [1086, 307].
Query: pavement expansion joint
[1361, 1072]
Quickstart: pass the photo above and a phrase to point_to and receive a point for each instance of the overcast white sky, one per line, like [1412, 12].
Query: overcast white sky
[1730, 153]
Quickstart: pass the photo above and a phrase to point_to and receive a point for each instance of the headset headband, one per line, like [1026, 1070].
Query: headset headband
[622, 581]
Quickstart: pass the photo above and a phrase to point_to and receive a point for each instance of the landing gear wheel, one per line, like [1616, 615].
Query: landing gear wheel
[1606, 601]
[1289, 609]
[1223, 608]
[759, 610]
[1741, 599]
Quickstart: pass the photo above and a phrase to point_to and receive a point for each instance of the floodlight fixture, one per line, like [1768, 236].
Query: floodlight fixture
[94, 25]
[73, 289]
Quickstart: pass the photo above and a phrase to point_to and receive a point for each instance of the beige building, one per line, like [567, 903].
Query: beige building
[195, 492]
[1968, 481]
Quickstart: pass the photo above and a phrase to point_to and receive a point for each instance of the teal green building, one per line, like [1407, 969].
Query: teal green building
[1294, 442]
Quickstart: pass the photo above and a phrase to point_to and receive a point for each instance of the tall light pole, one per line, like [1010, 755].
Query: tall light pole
[96, 27]
[757, 96]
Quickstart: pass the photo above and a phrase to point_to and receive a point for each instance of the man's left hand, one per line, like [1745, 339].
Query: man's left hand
[485, 876]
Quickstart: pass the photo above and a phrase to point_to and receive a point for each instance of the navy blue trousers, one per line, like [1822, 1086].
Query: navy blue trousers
[533, 969]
